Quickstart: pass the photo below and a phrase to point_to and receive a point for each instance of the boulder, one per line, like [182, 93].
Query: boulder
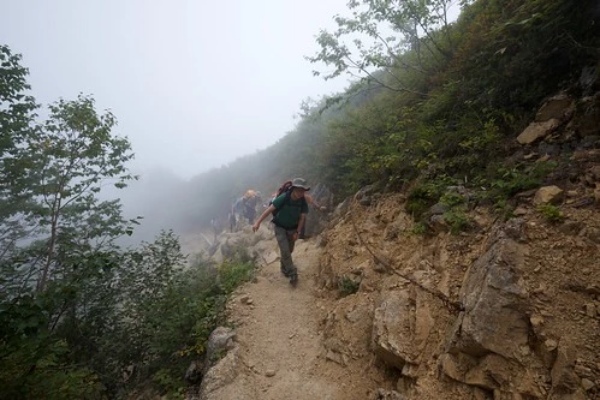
[537, 130]
[558, 107]
[564, 378]
[495, 301]
[548, 195]
[401, 326]
[222, 365]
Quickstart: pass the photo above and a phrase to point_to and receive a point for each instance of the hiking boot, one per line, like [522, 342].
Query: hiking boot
[294, 280]
[285, 273]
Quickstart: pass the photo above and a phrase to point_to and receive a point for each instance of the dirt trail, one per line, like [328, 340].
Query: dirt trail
[279, 331]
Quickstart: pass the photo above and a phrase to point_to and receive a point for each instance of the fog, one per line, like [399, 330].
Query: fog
[194, 84]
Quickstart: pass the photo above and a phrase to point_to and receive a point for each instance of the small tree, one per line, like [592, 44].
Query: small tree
[386, 41]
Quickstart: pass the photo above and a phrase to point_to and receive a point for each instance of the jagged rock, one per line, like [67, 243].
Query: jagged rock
[400, 328]
[219, 342]
[382, 394]
[438, 209]
[194, 372]
[221, 374]
[548, 195]
[456, 365]
[571, 227]
[222, 362]
[587, 384]
[495, 318]
[410, 370]
[514, 228]
[558, 107]
[537, 130]
[493, 372]
[437, 223]
[364, 196]
[588, 78]
[587, 116]
[564, 379]
[335, 350]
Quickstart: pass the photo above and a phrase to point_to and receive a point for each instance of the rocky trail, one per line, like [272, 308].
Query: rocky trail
[278, 339]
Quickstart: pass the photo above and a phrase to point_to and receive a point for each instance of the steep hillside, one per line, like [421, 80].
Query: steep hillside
[510, 310]
[470, 301]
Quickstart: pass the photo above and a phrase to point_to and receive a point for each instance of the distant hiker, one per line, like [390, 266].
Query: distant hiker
[289, 211]
[237, 211]
[250, 200]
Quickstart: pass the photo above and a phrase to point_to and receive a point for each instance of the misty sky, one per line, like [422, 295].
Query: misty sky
[194, 83]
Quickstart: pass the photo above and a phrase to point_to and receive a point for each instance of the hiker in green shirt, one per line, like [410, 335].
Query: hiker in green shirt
[289, 211]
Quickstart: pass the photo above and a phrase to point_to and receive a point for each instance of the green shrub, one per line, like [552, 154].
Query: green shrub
[452, 199]
[500, 182]
[457, 219]
[551, 213]
[347, 286]
[419, 228]
[234, 273]
[426, 194]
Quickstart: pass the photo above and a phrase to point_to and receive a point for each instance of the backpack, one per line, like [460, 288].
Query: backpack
[286, 188]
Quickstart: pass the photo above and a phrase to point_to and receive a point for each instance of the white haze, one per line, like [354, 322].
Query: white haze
[193, 83]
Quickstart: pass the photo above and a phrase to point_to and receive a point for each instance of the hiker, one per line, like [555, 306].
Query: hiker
[237, 209]
[309, 200]
[289, 211]
[250, 200]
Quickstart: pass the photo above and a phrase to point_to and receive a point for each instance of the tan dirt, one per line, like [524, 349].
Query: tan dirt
[279, 330]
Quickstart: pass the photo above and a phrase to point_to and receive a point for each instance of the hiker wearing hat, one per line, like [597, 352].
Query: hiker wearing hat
[289, 211]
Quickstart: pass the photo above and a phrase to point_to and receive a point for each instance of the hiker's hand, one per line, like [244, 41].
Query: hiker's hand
[295, 236]
[322, 208]
[255, 227]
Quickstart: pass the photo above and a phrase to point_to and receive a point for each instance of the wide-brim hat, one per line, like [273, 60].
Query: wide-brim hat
[300, 183]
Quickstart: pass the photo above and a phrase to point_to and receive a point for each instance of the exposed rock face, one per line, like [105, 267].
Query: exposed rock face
[560, 107]
[530, 289]
[400, 328]
[495, 319]
[222, 358]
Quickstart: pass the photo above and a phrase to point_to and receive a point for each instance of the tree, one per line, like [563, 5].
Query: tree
[16, 116]
[58, 262]
[388, 41]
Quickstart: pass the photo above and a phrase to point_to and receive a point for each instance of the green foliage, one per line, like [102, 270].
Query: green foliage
[501, 182]
[75, 308]
[232, 274]
[551, 213]
[347, 286]
[417, 40]
[419, 228]
[425, 194]
[452, 199]
[457, 219]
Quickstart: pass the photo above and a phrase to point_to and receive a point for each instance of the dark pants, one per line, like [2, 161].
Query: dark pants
[286, 247]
